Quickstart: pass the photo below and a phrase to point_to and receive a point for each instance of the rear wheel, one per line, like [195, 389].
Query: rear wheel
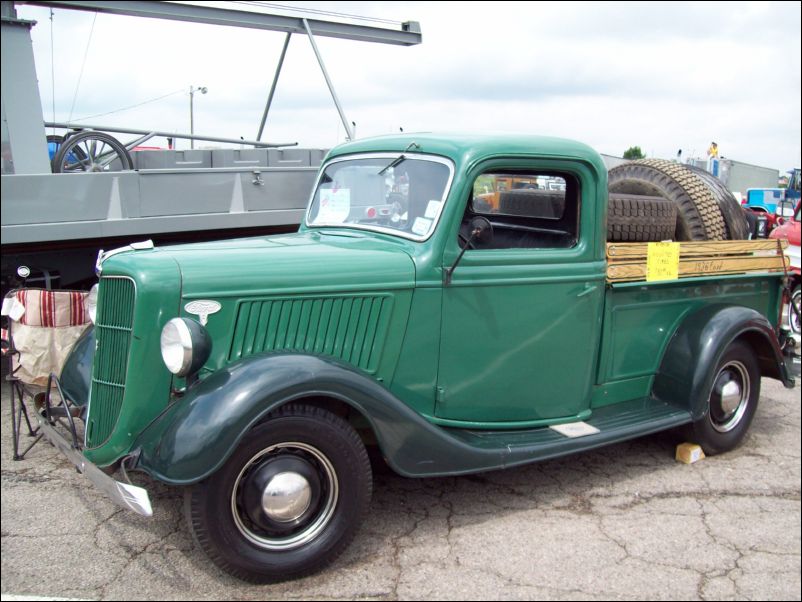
[732, 402]
[288, 501]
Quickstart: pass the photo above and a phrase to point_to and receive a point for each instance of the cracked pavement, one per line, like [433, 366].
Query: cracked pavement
[624, 522]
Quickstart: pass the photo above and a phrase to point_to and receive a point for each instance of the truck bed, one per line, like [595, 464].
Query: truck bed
[639, 314]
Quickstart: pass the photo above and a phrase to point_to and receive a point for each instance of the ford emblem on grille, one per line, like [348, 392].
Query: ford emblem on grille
[202, 308]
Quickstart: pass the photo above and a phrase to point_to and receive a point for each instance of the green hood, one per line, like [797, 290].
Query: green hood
[309, 262]
[296, 263]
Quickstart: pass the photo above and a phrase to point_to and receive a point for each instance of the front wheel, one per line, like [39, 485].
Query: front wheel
[288, 501]
[732, 401]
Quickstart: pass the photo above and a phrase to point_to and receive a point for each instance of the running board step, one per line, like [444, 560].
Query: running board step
[616, 423]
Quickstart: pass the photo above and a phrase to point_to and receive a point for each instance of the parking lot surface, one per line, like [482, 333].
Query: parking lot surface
[624, 522]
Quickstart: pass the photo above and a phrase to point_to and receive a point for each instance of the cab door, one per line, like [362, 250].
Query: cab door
[522, 313]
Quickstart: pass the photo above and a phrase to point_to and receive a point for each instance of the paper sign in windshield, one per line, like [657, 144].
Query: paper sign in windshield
[432, 208]
[662, 261]
[335, 205]
[421, 226]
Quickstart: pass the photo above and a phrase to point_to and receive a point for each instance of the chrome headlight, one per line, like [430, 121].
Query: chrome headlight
[185, 346]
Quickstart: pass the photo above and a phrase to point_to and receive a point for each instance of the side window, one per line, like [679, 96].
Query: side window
[528, 210]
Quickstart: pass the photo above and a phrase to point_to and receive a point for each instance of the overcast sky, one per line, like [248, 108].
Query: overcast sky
[662, 76]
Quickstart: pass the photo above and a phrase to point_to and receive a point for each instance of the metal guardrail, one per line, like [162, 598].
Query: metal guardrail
[148, 134]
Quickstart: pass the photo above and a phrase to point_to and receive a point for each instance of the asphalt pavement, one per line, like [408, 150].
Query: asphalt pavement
[625, 522]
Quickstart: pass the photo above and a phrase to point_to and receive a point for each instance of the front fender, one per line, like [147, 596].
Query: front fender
[687, 370]
[195, 436]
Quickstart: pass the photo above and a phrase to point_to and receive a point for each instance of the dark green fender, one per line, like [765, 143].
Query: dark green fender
[195, 435]
[686, 373]
[76, 375]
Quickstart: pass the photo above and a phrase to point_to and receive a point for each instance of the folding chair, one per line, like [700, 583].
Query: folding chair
[43, 327]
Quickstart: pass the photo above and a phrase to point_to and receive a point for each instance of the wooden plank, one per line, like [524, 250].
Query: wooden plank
[638, 250]
[632, 271]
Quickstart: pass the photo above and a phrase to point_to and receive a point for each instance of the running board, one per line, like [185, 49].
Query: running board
[615, 423]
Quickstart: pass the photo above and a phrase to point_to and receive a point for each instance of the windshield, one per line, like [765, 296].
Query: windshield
[401, 194]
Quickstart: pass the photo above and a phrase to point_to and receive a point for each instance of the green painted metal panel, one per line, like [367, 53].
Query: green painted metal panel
[639, 320]
[352, 329]
[415, 378]
[519, 352]
[521, 327]
[620, 391]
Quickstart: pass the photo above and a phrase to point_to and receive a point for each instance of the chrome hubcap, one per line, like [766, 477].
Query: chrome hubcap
[286, 497]
[730, 397]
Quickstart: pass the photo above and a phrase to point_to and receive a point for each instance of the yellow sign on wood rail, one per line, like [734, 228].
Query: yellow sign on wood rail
[662, 261]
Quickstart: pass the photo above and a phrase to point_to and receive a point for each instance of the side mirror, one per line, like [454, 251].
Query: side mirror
[481, 231]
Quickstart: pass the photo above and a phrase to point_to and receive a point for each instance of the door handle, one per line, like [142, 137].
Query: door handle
[589, 288]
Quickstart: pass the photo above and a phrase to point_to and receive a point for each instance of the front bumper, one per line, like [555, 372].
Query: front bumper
[126, 495]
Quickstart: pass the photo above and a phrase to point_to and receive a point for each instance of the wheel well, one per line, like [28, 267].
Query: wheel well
[766, 357]
[358, 421]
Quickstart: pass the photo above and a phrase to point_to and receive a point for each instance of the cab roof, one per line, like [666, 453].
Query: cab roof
[465, 148]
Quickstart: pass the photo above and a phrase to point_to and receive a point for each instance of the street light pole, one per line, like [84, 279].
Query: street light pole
[192, 90]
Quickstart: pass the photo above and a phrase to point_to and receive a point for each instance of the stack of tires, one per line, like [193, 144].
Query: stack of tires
[655, 199]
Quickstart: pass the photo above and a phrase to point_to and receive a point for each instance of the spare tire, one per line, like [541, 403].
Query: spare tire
[640, 218]
[699, 217]
[731, 210]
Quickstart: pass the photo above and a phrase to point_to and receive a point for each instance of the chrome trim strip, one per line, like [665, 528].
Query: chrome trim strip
[134, 246]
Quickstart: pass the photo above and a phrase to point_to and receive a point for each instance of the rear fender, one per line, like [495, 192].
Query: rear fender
[687, 369]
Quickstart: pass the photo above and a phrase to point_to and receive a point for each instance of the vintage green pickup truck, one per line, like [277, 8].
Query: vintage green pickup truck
[410, 314]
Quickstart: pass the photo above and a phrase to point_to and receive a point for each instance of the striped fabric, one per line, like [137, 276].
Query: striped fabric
[52, 308]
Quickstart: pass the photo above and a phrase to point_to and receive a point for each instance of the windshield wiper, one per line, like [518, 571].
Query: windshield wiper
[397, 161]
[400, 158]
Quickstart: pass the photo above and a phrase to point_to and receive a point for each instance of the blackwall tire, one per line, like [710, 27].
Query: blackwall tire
[640, 218]
[732, 402]
[288, 501]
[699, 217]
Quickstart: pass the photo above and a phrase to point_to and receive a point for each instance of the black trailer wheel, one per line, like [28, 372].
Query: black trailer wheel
[699, 217]
[640, 218]
[288, 501]
[91, 151]
[732, 402]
